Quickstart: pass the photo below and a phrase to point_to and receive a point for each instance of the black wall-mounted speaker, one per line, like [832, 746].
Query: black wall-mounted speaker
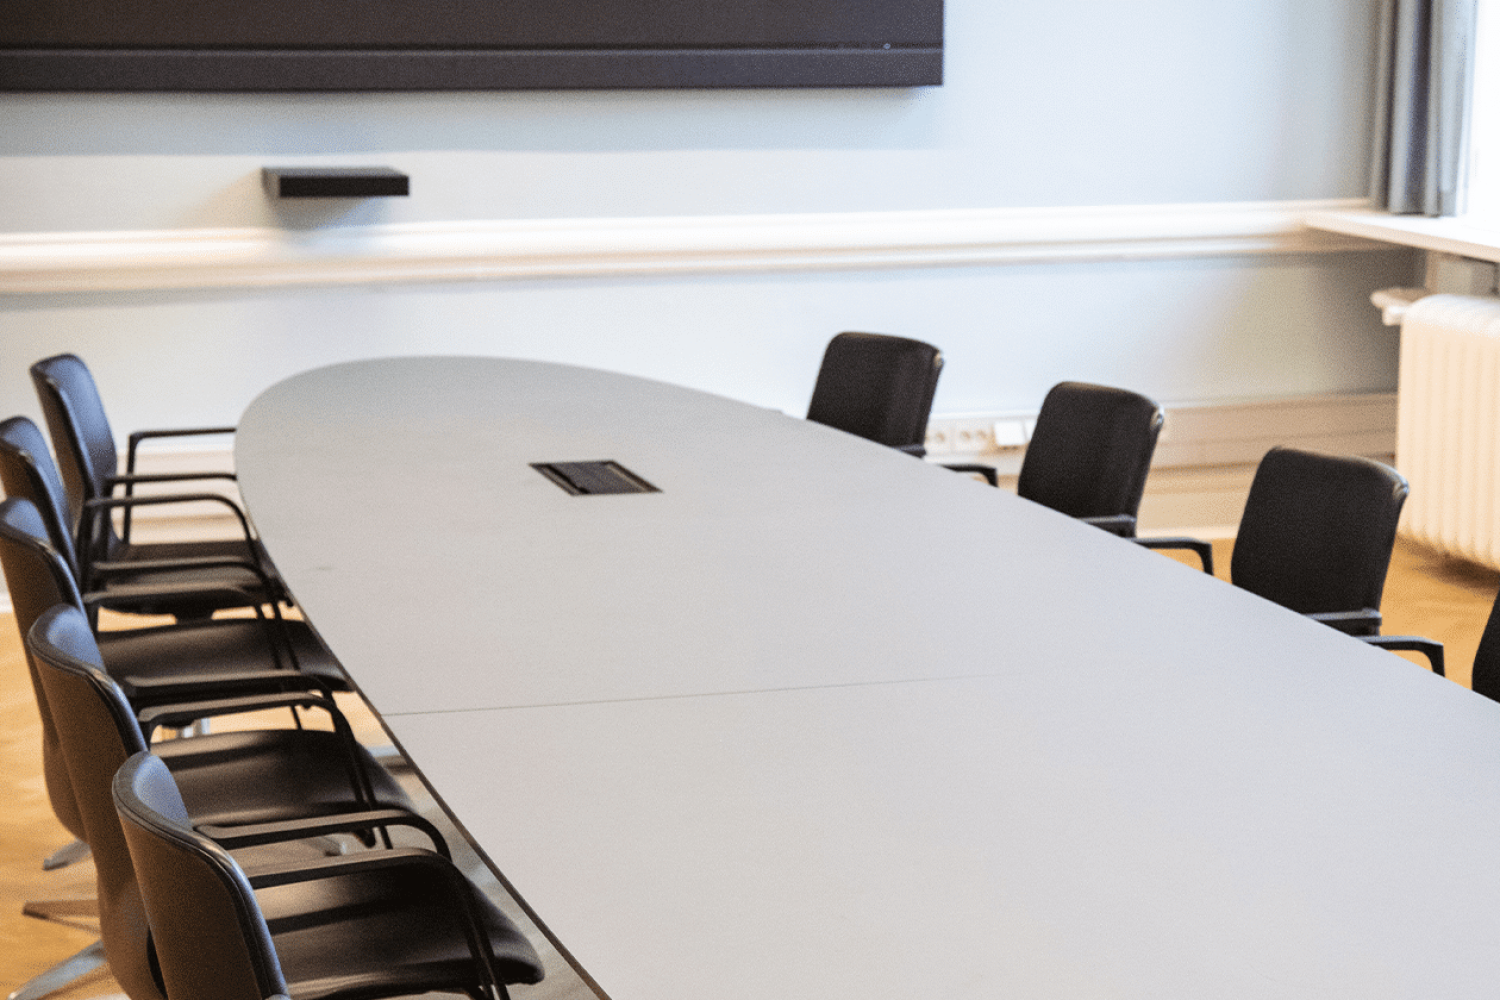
[335, 182]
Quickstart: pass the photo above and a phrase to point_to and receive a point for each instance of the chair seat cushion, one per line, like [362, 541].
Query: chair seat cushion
[379, 930]
[214, 646]
[265, 776]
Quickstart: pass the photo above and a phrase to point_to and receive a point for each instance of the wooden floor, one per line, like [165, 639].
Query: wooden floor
[1425, 595]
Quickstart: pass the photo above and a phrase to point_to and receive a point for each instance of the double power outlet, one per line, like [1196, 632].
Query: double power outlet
[979, 435]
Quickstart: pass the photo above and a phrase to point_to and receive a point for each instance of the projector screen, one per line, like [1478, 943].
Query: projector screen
[276, 45]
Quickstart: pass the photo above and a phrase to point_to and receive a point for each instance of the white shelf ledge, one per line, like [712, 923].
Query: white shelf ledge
[1445, 235]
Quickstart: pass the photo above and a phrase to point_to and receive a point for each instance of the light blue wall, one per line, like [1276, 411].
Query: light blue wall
[1064, 103]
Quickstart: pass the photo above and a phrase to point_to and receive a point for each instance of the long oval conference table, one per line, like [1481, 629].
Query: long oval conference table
[814, 720]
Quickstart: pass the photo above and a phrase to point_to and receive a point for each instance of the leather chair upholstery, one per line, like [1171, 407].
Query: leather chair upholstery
[231, 779]
[84, 444]
[376, 924]
[28, 470]
[878, 387]
[164, 662]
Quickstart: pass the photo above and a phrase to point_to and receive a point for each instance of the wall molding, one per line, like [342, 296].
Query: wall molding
[38, 263]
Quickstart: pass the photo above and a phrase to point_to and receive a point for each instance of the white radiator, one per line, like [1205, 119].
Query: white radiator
[1448, 424]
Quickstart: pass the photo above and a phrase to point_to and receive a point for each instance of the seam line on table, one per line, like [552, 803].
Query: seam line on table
[695, 694]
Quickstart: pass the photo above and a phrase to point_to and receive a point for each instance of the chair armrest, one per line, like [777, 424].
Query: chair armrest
[973, 468]
[1204, 550]
[134, 478]
[142, 435]
[107, 569]
[99, 506]
[1116, 524]
[137, 437]
[260, 834]
[311, 695]
[278, 644]
[130, 480]
[163, 591]
[1430, 648]
[127, 502]
[1363, 622]
[150, 692]
[176, 715]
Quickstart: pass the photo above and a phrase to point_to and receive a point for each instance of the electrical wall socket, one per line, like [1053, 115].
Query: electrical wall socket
[978, 435]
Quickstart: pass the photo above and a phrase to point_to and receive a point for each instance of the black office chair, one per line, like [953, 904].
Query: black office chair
[1316, 536]
[84, 445]
[1090, 452]
[1317, 533]
[1486, 677]
[877, 387]
[159, 664]
[164, 662]
[28, 470]
[59, 789]
[239, 779]
[374, 924]
[1089, 456]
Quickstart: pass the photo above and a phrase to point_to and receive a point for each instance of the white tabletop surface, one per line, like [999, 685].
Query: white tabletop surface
[822, 721]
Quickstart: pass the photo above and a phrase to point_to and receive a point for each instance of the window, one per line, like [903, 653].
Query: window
[1482, 178]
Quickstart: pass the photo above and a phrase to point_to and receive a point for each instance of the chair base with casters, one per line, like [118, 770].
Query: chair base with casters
[62, 975]
[69, 854]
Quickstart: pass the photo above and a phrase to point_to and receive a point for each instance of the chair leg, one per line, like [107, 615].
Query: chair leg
[63, 974]
[61, 910]
[66, 855]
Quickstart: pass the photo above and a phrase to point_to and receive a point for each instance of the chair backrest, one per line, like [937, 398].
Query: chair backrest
[98, 733]
[36, 574]
[80, 431]
[878, 387]
[1318, 530]
[206, 926]
[27, 470]
[38, 579]
[1091, 450]
[1486, 678]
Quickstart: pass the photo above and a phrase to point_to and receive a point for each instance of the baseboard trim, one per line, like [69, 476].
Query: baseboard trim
[1214, 433]
[1206, 455]
[33, 263]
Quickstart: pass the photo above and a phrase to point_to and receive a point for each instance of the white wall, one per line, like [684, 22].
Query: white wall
[1065, 103]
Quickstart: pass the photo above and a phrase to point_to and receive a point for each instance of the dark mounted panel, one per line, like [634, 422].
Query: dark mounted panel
[332, 45]
[94, 70]
[335, 182]
[593, 478]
